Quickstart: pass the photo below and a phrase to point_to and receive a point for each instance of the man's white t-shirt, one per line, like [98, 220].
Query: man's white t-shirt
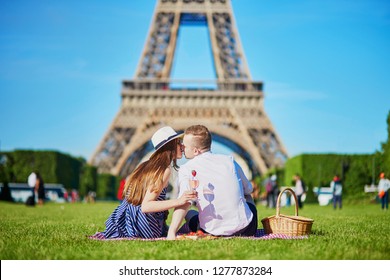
[222, 185]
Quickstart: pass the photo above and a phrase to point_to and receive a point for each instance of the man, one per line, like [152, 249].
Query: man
[224, 202]
[270, 193]
[383, 191]
[337, 190]
[300, 189]
[275, 188]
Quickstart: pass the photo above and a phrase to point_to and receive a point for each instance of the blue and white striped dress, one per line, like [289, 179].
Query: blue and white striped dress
[128, 221]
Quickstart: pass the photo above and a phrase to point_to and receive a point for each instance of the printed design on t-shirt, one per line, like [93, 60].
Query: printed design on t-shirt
[209, 210]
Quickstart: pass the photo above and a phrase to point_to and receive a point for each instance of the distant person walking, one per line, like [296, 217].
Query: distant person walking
[40, 188]
[300, 189]
[337, 191]
[270, 193]
[275, 188]
[383, 190]
[272, 189]
[31, 181]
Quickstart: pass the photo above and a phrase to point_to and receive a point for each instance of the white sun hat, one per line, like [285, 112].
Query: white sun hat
[163, 136]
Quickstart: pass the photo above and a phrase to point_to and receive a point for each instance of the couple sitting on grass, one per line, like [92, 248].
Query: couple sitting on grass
[223, 197]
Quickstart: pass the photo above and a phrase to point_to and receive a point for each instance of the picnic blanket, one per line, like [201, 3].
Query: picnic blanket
[259, 235]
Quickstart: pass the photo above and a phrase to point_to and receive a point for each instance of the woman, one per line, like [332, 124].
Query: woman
[142, 213]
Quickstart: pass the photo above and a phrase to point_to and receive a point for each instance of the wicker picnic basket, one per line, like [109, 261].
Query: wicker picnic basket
[288, 225]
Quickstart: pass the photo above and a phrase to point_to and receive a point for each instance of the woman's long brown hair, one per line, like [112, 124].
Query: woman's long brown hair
[149, 174]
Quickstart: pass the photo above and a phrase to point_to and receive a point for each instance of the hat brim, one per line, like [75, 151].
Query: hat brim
[162, 144]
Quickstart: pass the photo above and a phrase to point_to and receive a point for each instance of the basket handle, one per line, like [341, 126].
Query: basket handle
[278, 201]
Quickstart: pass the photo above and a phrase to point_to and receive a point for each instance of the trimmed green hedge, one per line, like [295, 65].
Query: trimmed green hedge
[58, 168]
[55, 167]
[88, 180]
[107, 186]
[318, 170]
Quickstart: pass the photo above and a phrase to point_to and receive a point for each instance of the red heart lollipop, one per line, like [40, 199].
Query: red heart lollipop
[193, 172]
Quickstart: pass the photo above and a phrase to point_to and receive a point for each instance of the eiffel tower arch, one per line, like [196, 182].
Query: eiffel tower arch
[231, 106]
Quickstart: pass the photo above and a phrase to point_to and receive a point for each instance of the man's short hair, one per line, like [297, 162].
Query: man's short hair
[202, 136]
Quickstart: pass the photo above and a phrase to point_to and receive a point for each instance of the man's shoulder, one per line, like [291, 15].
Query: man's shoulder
[207, 159]
[211, 156]
[221, 157]
[185, 166]
[191, 164]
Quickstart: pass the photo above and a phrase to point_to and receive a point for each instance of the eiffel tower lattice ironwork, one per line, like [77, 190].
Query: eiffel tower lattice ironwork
[232, 108]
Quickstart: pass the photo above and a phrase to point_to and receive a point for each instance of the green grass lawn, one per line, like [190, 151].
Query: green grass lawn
[58, 232]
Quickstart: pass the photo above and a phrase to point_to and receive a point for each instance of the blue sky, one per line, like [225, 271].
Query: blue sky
[325, 65]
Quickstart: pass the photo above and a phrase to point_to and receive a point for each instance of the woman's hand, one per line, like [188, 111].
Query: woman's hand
[187, 197]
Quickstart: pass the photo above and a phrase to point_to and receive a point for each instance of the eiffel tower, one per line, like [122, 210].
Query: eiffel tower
[231, 107]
